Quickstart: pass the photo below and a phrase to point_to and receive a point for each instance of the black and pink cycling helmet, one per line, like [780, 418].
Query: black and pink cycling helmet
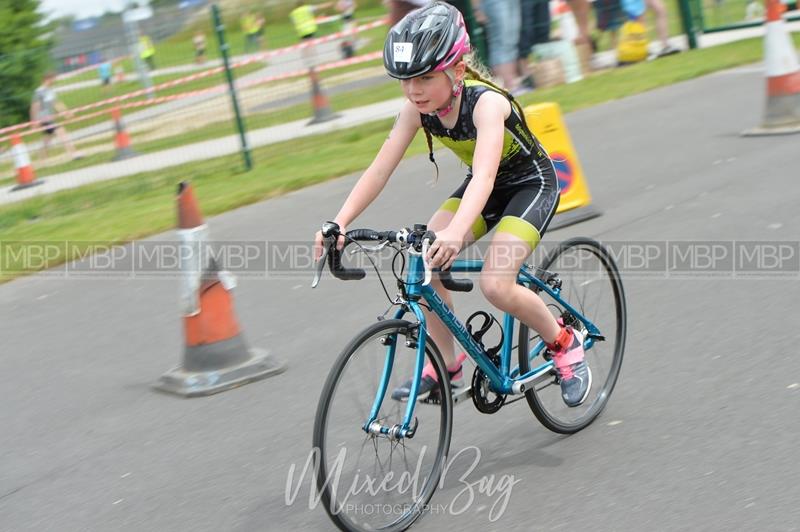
[429, 39]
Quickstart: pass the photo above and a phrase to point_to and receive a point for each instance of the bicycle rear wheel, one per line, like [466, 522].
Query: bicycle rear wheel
[591, 284]
[367, 481]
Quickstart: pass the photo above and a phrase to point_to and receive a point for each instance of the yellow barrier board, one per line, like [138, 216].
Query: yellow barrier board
[546, 123]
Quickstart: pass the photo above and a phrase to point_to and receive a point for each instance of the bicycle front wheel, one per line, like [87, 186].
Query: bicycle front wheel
[368, 481]
[591, 284]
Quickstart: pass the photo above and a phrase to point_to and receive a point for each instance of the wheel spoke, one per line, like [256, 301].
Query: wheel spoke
[346, 403]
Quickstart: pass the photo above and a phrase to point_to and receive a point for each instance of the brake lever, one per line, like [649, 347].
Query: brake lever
[426, 244]
[321, 264]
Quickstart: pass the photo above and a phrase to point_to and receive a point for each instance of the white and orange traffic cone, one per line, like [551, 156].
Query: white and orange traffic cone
[322, 108]
[26, 177]
[216, 356]
[122, 141]
[782, 114]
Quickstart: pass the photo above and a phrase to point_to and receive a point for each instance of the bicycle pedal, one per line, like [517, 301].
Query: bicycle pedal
[459, 396]
[462, 394]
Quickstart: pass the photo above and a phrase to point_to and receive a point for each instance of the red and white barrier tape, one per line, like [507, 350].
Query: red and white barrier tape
[81, 70]
[199, 75]
[221, 89]
[302, 72]
[73, 73]
[326, 20]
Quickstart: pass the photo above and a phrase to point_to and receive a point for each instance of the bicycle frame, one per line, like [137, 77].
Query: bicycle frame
[503, 380]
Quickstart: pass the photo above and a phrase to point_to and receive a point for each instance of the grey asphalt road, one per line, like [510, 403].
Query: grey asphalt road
[700, 434]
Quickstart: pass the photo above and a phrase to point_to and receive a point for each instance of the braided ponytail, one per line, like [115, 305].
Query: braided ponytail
[429, 140]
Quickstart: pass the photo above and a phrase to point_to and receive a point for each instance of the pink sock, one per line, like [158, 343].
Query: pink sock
[428, 370]
[460, 358]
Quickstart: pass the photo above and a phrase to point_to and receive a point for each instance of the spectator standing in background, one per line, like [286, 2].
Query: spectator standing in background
[662, 29]
[44, 106]
[147, 51]
[580, 10]
[502, 21]
[261, 24]
[105, 72]
[609, 17]
[199, 41]
[347, 9]
[535, 29]
[400, 8]
[249, 25]
[303, 18]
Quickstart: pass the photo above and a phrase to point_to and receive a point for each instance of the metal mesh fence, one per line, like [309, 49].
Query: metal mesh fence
[721, 15]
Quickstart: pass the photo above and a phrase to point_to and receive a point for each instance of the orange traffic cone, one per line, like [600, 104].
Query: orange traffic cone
[322, 109]
[782, 114]
[26, 177]
[216, 357]
[122, 141]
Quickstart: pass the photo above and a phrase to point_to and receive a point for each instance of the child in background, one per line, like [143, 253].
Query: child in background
[199, 41]
[104, 71]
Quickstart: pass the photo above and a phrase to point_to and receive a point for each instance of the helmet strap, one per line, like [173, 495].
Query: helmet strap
[458, 86]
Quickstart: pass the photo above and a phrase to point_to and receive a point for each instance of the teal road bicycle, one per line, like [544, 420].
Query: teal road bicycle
[378, 461]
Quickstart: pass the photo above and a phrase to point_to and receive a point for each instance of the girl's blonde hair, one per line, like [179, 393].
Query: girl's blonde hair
[476, 71]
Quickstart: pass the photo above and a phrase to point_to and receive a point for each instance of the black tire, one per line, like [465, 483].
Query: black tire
[581, 263]
[342, 410]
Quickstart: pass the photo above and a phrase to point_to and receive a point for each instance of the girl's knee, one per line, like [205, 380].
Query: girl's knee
[495, 288]
[440, 220]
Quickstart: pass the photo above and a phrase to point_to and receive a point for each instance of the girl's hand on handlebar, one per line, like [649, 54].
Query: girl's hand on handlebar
[445, 249]
[319, 242]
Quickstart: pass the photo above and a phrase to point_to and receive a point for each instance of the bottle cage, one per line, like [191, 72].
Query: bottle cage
[478, 335]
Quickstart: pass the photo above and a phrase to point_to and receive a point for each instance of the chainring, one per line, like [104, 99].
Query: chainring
[484, 399]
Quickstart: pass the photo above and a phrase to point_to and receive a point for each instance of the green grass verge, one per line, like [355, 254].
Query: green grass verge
[141, 205]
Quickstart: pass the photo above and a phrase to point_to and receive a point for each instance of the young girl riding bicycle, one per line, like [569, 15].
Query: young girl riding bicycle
[511, 183]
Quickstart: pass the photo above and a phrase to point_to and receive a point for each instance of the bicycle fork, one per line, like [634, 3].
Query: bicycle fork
[415, 337]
